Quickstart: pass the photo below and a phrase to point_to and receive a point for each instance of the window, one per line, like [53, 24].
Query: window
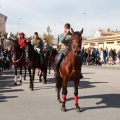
[110, 42]
[85, 44]
[92, 44]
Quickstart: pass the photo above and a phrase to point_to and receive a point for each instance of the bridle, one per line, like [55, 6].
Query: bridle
[18, 59]
[75, 52]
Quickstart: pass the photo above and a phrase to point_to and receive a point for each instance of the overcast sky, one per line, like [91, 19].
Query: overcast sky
[38, 14]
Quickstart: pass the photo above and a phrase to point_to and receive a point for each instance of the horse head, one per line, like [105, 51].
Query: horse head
[76, 42]
[15, 46]
[28, 48]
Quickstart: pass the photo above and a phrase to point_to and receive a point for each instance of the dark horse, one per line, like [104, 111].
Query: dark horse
[18, 60]
[45, 55]
[70, 70]
[33, 62]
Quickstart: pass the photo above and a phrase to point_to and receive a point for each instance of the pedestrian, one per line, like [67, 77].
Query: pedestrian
[102, 55]
[118, 56]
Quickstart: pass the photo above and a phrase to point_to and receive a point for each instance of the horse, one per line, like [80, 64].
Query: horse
[48, 65]
[18, 59]
[70, 70]
[33, 62]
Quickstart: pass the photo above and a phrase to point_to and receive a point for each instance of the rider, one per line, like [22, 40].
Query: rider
[38, 45]
[65, 40]
[22, 41]
[45, 45]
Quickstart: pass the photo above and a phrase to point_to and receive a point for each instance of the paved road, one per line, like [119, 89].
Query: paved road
[99, 96]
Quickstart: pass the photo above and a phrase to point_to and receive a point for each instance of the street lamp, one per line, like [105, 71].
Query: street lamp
[19, 23]
[85, 30]
[55, 31]
[11, 30]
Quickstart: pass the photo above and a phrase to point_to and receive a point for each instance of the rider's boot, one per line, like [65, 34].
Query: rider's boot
[58, 62]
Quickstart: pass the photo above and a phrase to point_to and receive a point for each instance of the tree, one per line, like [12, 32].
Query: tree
[48, 36]
[49, 30]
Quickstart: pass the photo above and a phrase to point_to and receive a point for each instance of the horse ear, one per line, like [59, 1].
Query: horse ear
[81, 32]
[72, 31]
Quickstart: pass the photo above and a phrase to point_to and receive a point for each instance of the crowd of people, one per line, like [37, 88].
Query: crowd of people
[93, 56]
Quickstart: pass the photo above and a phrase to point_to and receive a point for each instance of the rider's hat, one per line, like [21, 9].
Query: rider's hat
[21, 33]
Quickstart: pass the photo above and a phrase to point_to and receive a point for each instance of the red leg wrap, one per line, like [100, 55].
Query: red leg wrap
[64, 98]
[76, 99]
[38, 70]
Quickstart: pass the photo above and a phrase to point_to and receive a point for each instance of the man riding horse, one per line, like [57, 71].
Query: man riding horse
[65, 40]
[38, 46]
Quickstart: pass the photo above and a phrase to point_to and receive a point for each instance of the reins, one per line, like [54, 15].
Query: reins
[18, 59]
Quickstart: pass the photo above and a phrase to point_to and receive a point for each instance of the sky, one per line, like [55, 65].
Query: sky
[36, 15]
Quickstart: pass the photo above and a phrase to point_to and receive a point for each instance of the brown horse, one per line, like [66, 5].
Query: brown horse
[33, 62]
[70, 70]
[18, 60]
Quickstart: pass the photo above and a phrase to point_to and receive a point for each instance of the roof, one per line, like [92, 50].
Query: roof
[3, 16]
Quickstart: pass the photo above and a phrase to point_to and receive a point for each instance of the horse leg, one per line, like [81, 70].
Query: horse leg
[76, 96]
[15, 83]
[31, 81]
[58, 88]
[20, 74]
[40, 75]
[45, 75]
[64, 94]
[33, 74]
[49, 66]
[25, 73]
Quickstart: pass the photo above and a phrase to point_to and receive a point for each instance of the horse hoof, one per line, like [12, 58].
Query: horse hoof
[40, 81]
[63, 109]
[31, 88]
[20, 81]
[44, 82]
[15, 83]
[59, 101]
[78, 110]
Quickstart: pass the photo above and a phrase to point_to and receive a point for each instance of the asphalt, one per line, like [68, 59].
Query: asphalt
[99, 97]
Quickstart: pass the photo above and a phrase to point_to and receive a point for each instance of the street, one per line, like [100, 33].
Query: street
[99, 97]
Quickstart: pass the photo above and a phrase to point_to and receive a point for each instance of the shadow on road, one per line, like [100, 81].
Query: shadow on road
[106, 101]
[6, 86]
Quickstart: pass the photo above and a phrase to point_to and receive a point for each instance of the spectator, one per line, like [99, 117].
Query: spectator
[118, 56]
[111, 57]
[102, 56]
[85, 55]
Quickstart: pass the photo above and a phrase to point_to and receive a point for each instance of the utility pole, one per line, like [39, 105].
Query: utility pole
[85, 30]
[19, 23]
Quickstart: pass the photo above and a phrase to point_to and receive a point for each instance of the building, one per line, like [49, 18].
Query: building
[103, 39]
[3, 19]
